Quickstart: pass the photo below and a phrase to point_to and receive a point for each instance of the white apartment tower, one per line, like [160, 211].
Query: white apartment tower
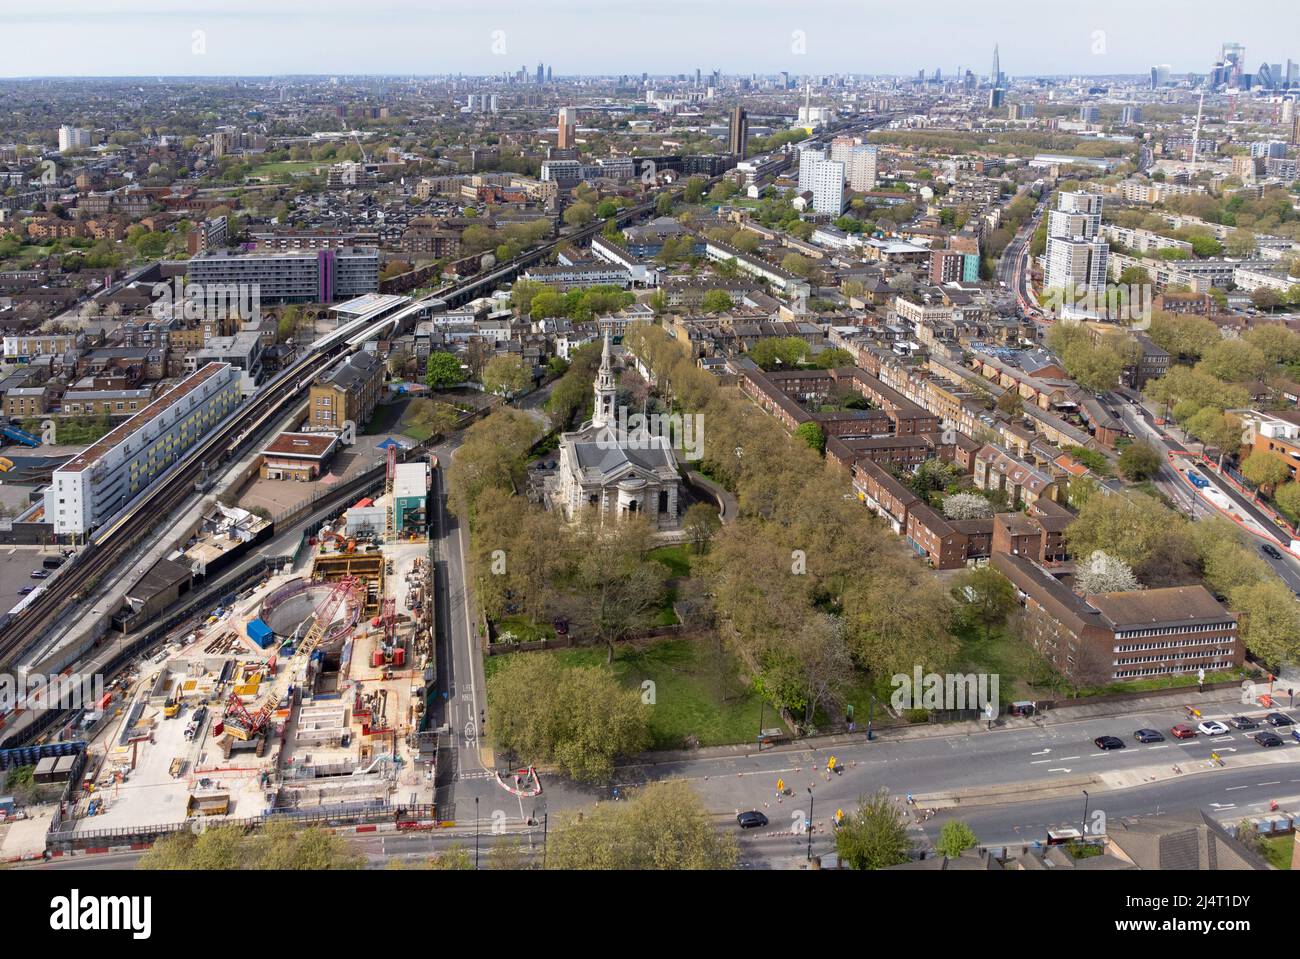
[825, 178]
[1076, 254]
[73, 138]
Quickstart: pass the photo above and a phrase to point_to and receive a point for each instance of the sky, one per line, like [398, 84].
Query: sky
[479, 37]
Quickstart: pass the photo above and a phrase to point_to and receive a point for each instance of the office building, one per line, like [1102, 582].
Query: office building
[1130, 116]
[1089, 114]
[105, 477]
[739, 132]
[320, 276]
[997, 97]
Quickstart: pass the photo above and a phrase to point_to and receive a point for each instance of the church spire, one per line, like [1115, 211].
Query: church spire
[603, 414]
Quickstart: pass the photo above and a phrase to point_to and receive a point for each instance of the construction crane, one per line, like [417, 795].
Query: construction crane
[355, 136]
[388, 623]
[343, 590]
[244, 725]
[390, 532]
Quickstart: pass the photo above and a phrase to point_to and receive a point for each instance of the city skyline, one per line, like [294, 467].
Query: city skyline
[579, 37]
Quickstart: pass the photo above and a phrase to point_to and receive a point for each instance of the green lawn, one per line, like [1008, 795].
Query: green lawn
[676, 558]
[1021, 672]
[697, 691]
[418, 417]
[285, 168]
[1278, 850]
[525, 630]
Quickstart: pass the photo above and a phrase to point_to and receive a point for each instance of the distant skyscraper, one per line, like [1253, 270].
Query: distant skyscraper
[541, 74]
[567, 128]
[548, 74]
[997, 97]
[995, 76]
[739, 132]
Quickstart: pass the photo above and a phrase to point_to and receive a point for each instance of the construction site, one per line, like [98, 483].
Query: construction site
[305, 695]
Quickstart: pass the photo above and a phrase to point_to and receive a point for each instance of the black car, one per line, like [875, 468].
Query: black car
[1108, 742]
[1244, 723]
[1278, 719]
[1269, 550]
[26, 589]
[1267, 739]
[751, 820]
[1149, 736]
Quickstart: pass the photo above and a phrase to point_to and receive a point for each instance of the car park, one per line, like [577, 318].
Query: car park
[1244, 723]
[751, 820]
[1108, 742]
[1278, 719]
[1183, 731]
[1149, 736]
[1267, 739]
[1212, 727]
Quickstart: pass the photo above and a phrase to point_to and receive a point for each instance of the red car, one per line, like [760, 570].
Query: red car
[1183, 731]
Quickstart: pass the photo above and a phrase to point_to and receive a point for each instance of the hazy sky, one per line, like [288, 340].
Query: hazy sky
[158, 37]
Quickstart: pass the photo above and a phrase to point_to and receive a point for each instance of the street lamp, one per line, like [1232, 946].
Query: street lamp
[811, 801]
[1085, 813]
[871, 716]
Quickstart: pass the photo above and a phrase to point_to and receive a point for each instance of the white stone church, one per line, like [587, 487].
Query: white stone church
[620, 473]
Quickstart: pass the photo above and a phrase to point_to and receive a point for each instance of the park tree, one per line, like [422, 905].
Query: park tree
[812, 434]
[443, 371]
[1287, 496]
[507, 375]
[1271, 628]
[617, 589]
[1126, 526]
[1185, 336]
[1215, 429]
[1139, 461]
[279, 846]
[955, 838]
[966, 506]
[1278, 343]
[716, 301]
[579, 718]
[493, 454]
[700, 521]
[874, 836]
[1264, 469]
[1103, 573]
[984, 597]
[1234, 361]
[779, 351]
[663, 825]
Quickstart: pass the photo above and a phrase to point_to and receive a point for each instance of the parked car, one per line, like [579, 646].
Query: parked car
[1212, 727]
[26, 589]
[1183, 731]
[1278, 719]
[1244, 723]
[1108, 742]
[1268, 739]
[1269, 550]
[751, 820]
[40, 573]
[1149, 736]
